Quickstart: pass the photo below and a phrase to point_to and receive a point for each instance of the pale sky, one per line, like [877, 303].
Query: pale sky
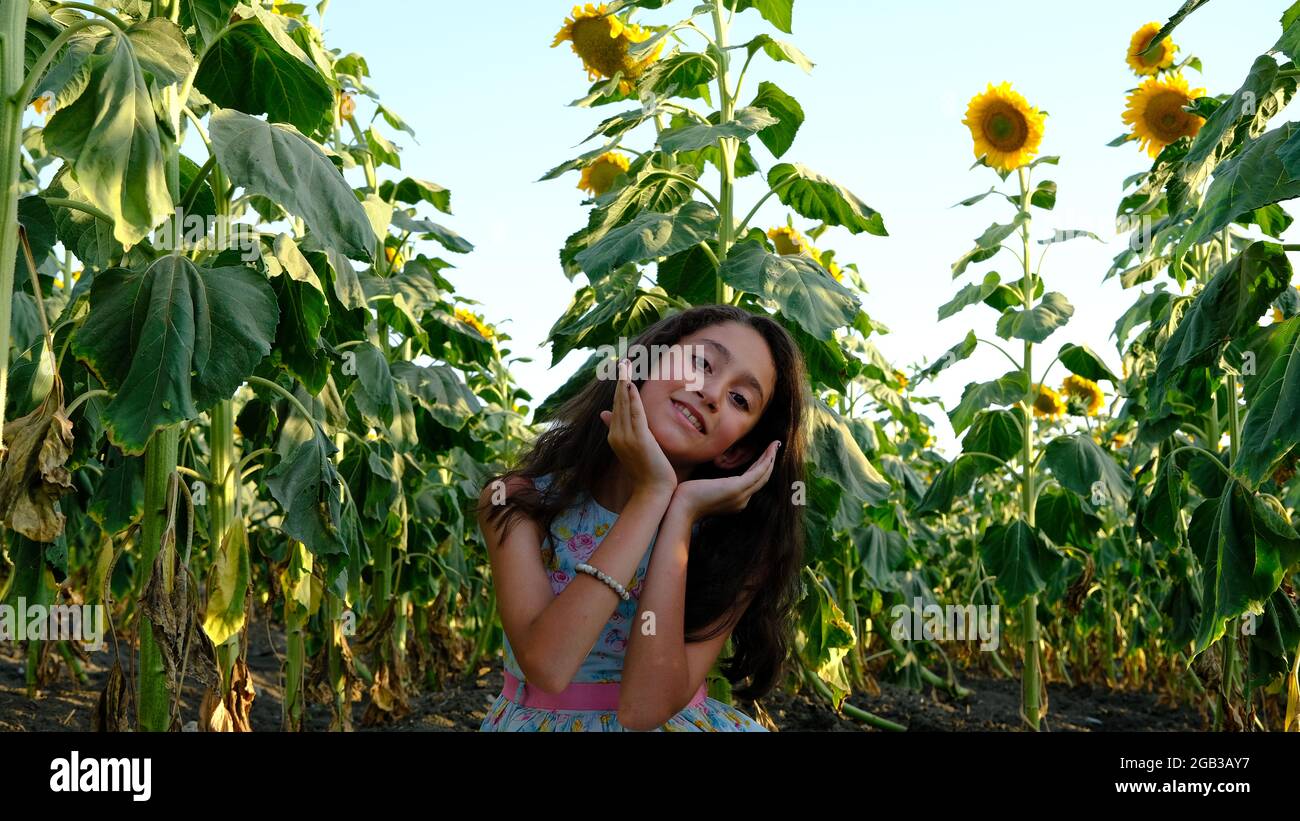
[488, 99]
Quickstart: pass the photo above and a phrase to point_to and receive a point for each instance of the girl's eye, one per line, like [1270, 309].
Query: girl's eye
[707, 367]
[741, 400]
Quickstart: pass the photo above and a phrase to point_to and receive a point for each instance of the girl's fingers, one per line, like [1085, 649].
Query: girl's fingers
[605, 416]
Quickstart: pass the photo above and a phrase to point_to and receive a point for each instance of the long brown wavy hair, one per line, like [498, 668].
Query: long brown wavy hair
[764, 543]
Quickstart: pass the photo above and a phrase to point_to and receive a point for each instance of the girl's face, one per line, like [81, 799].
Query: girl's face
[726, 382]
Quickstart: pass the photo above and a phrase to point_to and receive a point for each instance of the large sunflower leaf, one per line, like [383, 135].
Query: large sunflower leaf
[779, 136]
[306, 485]
[648, 236]
[1007, 389]
[798, 285]
[255, 66]
[172, 340]
[1079, 464]
[1245, 547]
[1265, 172]
[1083, 361]
[110, 136]
[1038, 323]
[779, 13]
[1022, 562]
[1272, 425]
[441, 391]
[746, 123]
[988, 243]
[838, 457]
[1228, 307]
[278, 162]
[955, 480]
[971, 295]
[998, 432]
[816, 197]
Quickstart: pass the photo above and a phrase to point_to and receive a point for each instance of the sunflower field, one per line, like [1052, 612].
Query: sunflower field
[248, 415]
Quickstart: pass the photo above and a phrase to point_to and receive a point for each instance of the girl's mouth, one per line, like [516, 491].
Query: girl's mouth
[689, 417]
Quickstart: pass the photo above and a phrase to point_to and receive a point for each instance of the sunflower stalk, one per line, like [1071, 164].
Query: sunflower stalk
[727, 146]
[1029, 692]
[13, 27]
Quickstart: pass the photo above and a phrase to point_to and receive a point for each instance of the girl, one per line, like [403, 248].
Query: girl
[604, 633]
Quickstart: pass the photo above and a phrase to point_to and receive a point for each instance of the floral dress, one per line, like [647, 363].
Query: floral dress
[575, 535]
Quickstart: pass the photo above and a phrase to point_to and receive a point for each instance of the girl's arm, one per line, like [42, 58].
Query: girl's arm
[661, 672]
[552, 635]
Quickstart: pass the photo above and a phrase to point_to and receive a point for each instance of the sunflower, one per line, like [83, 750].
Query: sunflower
[1083, 397]
[395, 259]
[474, 322]
[900, 378]
[347, 105]
[789, 242]
[1006, 128]
[76, 275]
[1048, 403]
[1155, 111]
[601, 172]
[44, 104]
[1162, 59]
[602, 39]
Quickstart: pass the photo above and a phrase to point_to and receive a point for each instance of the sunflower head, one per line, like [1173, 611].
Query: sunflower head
[1159, 60]
[474, 322]
[1155, 112]
[44, 104]
[1119, 440]
[602, 40]
[1083, 397]
[789, 242]
[395, 259]
[600, 173]
[76, 275]
[1048, 403]
[900, 378]
[347, 105]
[1006, 128]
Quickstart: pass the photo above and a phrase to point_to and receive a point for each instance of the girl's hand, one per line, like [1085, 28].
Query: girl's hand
[697, 498]
[632, 441]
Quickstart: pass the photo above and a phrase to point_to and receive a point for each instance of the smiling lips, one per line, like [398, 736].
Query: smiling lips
[689, 415]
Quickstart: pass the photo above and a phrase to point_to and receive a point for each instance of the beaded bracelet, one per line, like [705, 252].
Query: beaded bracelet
[606, 578]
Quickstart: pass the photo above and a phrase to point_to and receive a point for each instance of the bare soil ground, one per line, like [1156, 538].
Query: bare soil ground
[460, 706]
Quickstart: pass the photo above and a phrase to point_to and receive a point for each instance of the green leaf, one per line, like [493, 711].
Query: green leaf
[255, 66]
[1039, 322]
[777, 12]
[209, 17]
[376, 395]
[1083, 361]
[118, 499]
[955, 480]
[161, 50]
[1007, 389]
[778, 137]
[441, 391]
[1062, 516]
[1044, 195]
[801, 288]
[746, 123]
[1000, 433]
[110, 136]
[1229, 306]
[1067, 234]
[1079, 464]
[988, 244]
[1160, 513]
[962, 350]
[678, 73]
[649, 236]
[90, 238]
[816, 197]
[172, 340]
[1272, 425]
[306, 485]
[780, 51]
[1020, 560]
[277, 161]
[1264, 172]
[970, 295]
[1243, 116]
[1245, 547]
[428, 229]
[412, 191]
[838, 457]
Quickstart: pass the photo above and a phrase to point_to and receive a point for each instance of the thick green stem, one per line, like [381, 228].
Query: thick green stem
[153, 701]
[727, 147]
[13, 28]
[1030, 683]
[223, 509]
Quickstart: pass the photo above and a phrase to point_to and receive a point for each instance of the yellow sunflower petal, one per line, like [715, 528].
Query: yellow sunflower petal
[1155, 112]
[1161, 59]
[1083, 397]
[600, 173]
[602, 39]
[1006, 129]
[1048, 403]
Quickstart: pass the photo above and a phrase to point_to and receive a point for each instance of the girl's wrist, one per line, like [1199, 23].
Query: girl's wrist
[680, 507]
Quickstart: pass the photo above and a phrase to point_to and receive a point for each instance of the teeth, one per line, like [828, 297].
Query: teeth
[685, 411]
